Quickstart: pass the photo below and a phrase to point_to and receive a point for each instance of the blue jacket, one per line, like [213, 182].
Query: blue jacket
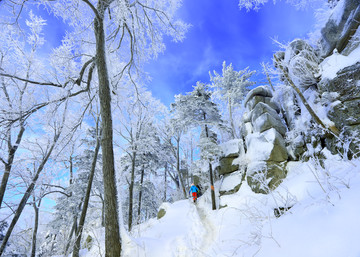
[193, 189]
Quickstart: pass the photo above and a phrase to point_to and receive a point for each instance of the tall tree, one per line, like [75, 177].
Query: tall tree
[133, 32]
[197, 109]
[85, 203]
[46, 155]
[138, 114]
[231, 87]
[16, 93]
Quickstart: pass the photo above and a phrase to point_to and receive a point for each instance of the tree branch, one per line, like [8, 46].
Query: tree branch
[31, 81]
[93, 9]
[332, 129]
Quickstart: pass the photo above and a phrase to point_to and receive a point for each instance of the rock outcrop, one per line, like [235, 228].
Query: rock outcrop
[340, 28]
[264, 154]
[346, 110]
[264, 138]
[231, 150]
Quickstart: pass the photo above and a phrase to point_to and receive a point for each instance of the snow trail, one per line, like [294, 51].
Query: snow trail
[208, 240]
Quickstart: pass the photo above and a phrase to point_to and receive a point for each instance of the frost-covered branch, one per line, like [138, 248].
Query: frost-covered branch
[332, 129]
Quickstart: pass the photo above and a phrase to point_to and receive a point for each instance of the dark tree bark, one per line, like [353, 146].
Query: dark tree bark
[36, 225]
[178, 166]
[72, 231]
[140, 191]
[212, 189]
[131, 190]
[8, 164]
[86, 201]
[112, 230]
[26, 196]
[165, 181]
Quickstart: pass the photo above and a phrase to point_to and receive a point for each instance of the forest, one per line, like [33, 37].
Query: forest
[92, 164]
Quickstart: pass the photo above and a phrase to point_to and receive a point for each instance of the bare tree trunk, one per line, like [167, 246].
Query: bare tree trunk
[331, 129]
[267, 76]
[174, 179]
[140, 191]
[74, 226]
[9, 162]
[212, 188]
[178, 165]
[112, 229]
[165, 181]
[131, 190]
[233, 132]
[86, 200]
[36, 225]
[102, 212]
[26, 197]
[73, 229]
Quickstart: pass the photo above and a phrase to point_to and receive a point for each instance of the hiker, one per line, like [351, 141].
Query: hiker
[194, 190]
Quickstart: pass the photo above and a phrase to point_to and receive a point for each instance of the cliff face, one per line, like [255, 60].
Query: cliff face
[277, 128]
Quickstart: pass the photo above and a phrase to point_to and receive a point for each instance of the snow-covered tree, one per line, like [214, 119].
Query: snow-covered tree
[133, 32]
[138, 113]
[16, 97]
[256, 4]
[197, 109]
[231, 87]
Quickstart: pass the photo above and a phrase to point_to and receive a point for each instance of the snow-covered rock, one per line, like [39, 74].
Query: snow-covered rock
[260, 109]
[231, 150]
[267, 121]
[264, 99]
[340, 27]
[267, 146]
[258, 91]
[232, 182]
[345, 109]
[263, 176]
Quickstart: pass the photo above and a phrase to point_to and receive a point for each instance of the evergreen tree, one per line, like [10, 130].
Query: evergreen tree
[197, 109]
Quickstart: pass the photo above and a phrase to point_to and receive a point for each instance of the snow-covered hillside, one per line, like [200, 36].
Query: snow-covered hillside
[323, 220]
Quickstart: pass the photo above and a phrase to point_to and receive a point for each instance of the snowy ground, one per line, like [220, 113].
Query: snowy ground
[323, 221]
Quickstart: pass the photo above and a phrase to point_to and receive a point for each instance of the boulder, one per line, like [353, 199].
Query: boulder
[162, 210]
[265, 176]
[260, 109]
[267, 121]
[346, 109]
[161, 213]
[233, 148]
[266, 146]
[264, 99]
[226, 165]
[346, 83]
[296, 148]
[341, 25]
[246, 129]
[232, 182]
[246, 116]
[258, 91]
[279, 152]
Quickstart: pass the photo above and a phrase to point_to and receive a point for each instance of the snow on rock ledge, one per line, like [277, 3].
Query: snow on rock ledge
[232, 150]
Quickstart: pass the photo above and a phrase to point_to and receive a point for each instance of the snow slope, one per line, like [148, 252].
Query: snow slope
[323, 221]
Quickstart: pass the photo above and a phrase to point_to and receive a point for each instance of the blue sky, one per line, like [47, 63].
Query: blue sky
[221, 32]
